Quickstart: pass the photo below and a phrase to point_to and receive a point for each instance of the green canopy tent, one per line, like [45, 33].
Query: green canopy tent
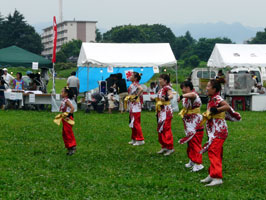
[15, 56]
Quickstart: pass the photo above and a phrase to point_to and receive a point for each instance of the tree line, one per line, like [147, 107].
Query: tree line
[14, 30]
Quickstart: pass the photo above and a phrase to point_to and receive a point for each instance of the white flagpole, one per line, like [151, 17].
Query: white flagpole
[53, 90]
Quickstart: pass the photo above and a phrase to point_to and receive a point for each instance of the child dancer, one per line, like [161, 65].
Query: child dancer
[194, 131]
[165, 115]
[67, 119]
[111, 100]
[134, 102]
[217, 111]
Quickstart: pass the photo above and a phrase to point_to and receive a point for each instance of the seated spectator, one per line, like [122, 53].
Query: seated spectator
[18, 83]
[260, 89]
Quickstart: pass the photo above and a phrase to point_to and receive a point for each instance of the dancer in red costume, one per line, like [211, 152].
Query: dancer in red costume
[67, 119]
[165, 115]
[194, 131]
[217, 112]
[134, 103]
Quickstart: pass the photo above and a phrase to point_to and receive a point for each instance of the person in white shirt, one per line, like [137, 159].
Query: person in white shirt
[7, 77]
[73, 84]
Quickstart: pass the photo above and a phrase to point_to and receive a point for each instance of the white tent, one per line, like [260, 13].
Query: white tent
[126, 55]
[238, 55]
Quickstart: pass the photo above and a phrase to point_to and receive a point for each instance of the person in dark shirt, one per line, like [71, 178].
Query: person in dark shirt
[121, 87]
[110, 81]
[2, 94]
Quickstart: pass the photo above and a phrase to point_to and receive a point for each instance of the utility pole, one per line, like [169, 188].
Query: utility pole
[60, 11]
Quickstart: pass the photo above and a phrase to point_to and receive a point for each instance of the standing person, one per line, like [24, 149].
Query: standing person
[7, 77]
[121, 86]
[18, 83]
[2, 93]
[220, 77]
[194, 131]
[67, 119]
[73, 84]
[217, 111]
[164, 116]
[134, 102]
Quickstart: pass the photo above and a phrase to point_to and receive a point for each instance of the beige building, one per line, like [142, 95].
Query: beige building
[67, 31]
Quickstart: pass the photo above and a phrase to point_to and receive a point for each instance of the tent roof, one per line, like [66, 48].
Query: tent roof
[238, 55]
[16, 56]
[126, 55]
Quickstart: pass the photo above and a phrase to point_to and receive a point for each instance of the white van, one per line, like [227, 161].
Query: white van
[202, 73]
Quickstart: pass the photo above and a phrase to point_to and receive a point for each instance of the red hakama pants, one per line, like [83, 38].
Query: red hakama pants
[194, 147]
[215, 153]
[68, 135]
[166, 136]
[136, 130]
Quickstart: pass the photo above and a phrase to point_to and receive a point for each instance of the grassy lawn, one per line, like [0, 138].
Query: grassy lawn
[59, 84]
[34, 165]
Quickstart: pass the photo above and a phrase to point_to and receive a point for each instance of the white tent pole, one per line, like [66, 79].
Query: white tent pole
[176, 78]
[87, 78]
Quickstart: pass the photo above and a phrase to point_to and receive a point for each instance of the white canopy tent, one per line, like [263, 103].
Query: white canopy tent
[238, 55]
[125, 55]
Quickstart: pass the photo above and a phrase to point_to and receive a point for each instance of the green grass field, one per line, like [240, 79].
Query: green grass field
[33, 164]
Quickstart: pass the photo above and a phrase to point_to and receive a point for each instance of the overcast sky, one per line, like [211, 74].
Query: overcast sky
[110, 13]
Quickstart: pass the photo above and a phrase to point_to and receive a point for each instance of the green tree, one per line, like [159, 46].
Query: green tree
[203, 48]
[260, 38]
[16, 31]
[1, 31]
[192, 61]
[69, 49]
[183, 45]
[124, 34]
[141, 33]
[99, 36]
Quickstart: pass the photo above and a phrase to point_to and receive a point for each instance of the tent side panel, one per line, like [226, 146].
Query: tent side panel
[97, 74]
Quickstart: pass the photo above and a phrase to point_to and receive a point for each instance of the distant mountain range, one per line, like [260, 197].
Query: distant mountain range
[237, 32]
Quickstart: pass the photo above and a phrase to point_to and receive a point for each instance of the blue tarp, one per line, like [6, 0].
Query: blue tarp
[96, 74]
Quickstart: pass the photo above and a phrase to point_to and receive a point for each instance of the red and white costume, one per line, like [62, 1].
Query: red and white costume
[217, 133]
[68, 135]
[193, 130]
[164, 117]
[135, 113]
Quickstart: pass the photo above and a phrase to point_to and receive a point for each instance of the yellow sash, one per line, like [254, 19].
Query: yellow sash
[207, 116]
[186, 111]
[130, 98]
[63, 116]
[160, 103]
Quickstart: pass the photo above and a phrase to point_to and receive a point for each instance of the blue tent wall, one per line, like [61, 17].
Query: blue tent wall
[95, 75]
